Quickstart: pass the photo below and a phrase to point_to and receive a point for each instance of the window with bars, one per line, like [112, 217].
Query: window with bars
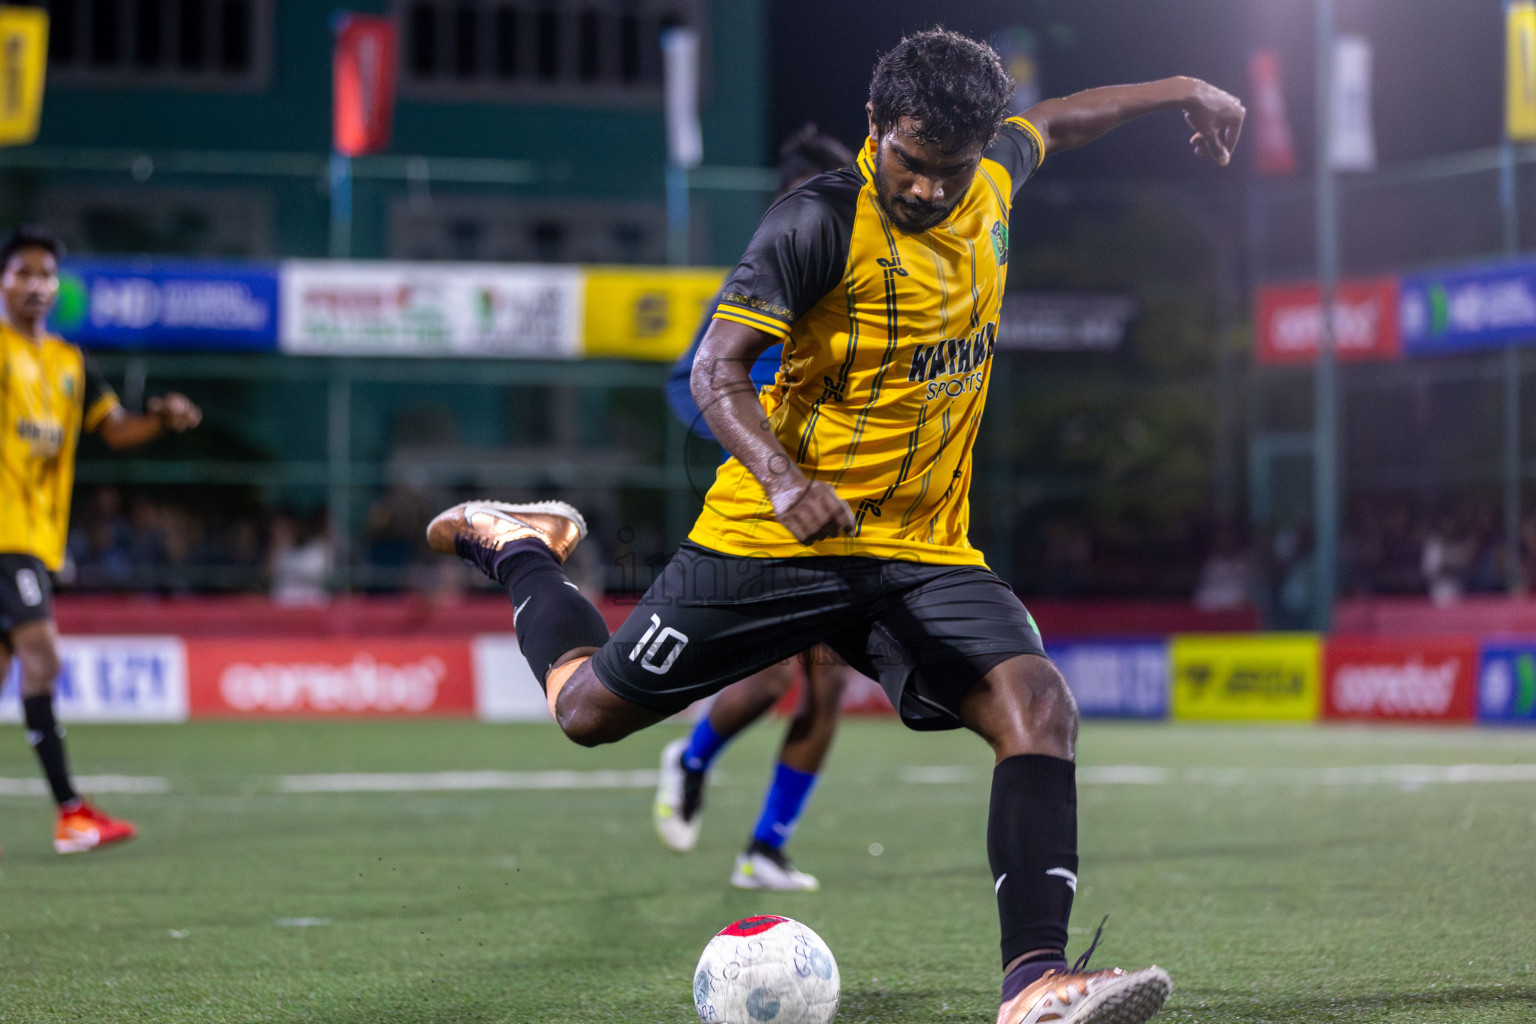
[200, 43]
[536, 49]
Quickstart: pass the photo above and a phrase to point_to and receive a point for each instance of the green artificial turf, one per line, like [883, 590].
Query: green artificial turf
[1271, 889]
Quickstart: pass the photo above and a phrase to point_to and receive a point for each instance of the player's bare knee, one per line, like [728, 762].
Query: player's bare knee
[39, 668]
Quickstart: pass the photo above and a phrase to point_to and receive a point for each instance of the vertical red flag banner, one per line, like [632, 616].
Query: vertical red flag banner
[1274, 150]
[363, 74]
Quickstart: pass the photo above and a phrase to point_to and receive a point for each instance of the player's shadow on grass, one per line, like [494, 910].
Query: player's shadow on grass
[859, 1004]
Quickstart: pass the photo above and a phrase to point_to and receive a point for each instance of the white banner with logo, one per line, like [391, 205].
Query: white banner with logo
[1352, 140]
[354, 308]
[112, 679]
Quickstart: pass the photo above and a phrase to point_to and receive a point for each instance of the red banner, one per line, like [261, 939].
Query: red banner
[1431, 679]
[1288, 322]
[1274, 153]
[363, 84]
[330, 677]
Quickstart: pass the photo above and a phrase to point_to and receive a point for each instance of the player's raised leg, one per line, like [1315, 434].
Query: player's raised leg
[522, 547]
[1023, 709]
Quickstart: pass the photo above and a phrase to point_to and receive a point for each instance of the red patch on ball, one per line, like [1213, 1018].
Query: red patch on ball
[752, 925]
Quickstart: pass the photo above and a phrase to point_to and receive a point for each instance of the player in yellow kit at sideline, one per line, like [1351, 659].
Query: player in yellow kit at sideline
[49, 392]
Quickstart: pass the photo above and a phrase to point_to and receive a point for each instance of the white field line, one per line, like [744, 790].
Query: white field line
[89, 784]
[1400, 775]
[423, 782]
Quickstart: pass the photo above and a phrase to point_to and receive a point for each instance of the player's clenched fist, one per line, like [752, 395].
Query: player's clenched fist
[812, 512]
[174, 411]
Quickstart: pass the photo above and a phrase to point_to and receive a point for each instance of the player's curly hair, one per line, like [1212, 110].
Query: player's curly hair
[952, 87]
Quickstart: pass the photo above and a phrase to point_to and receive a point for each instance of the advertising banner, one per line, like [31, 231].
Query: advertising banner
[1520, 71]
[1506, 684]
[1352, 140]
[1272, 677]
[1372, 678]
[1115, 679]
[646, 314]
[1288, 322]
[1273, 147]
[23, 70]
[112, 679]
[139, 304]
[363, 84]
[506, 689]
[354, 677]
[1451, 311]
[348, 308]
[1035, 322]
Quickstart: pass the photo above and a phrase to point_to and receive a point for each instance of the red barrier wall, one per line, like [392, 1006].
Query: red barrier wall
[416, 615]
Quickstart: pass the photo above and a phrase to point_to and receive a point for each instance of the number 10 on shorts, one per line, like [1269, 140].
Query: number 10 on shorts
[659, 655]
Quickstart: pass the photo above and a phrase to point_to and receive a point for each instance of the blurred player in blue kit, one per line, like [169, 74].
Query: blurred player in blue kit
[685, 763]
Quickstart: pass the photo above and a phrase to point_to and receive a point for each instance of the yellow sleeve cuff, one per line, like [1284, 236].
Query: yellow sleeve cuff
[763, 323]
[1034, 133]
[99, 411]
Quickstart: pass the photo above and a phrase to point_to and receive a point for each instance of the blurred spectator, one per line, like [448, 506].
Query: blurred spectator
[1447, 555]
[301, 558]
[1226, 578]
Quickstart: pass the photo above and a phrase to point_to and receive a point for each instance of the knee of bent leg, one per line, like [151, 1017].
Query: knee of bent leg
[1025, 706]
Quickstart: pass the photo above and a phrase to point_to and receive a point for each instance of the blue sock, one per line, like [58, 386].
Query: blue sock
[782, 806]
[703, 747]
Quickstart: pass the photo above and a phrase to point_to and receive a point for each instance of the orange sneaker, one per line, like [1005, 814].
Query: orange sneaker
[84, 828]
[1089, 997]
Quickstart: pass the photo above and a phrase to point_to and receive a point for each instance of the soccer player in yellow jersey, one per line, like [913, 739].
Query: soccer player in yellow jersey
[841, 518]
[49, 392]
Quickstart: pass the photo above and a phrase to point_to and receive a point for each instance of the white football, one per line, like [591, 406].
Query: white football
[766, 970]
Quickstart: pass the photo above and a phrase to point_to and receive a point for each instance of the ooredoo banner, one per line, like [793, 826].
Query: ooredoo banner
[330, 677]
[1432, 679]
[112, 679]
[1288, 321]
[1115, 679]
[1269, 677]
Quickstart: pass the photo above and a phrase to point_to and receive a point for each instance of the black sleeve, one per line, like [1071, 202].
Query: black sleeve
[797, 256]
[1019, 149]
[99, 398]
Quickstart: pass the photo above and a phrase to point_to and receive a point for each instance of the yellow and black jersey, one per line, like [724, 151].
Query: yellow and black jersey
[48, 391]
[888, 341]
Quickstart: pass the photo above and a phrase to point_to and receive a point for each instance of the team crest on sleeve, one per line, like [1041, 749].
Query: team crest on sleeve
[1000, 241]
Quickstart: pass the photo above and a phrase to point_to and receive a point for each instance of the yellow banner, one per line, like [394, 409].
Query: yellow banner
[1520, 72]
[23, 61]
[1268, 678]
[646, 314]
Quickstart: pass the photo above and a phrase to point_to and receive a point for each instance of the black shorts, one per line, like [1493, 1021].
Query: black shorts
[26, 592]
[927, 633]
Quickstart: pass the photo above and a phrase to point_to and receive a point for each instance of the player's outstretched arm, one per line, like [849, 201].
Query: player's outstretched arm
[173, 412]
[1076, 120]
[722, 386]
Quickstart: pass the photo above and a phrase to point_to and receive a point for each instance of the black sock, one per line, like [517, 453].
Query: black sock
[1032, 847]
[47, 738]
[548, 612]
